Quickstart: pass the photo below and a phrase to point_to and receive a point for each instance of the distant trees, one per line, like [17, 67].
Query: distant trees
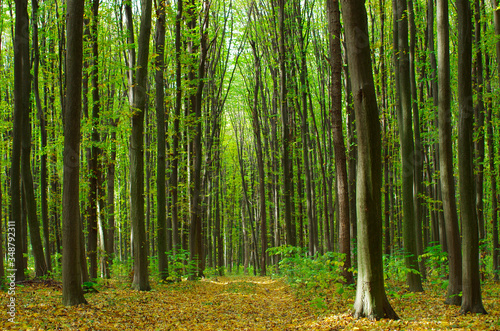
[236, 133]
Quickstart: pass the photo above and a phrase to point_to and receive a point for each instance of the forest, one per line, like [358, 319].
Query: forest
[345, 149]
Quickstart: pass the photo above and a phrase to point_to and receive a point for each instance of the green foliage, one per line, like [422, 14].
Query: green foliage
[313, 277]
[395, 267]
[180, 265]
[436, 261]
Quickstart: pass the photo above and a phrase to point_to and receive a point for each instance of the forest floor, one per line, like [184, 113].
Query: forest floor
[234, 303]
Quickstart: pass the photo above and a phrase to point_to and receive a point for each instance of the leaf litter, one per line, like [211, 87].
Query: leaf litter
[233, 303]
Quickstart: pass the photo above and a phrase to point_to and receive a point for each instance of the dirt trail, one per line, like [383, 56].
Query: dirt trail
[230, 303]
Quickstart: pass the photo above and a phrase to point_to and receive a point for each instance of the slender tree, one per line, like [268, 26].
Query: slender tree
[471, 299]
[371, 300]
[21, 79]
[334, 27]
[405, 122]
[446, 157]
[160, 129]
[72, 236]
[138, 105]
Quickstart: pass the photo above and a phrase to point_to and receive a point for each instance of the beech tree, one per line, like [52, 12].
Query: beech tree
[446, 157]
[72, 237]
[371, 300]
[471, 298]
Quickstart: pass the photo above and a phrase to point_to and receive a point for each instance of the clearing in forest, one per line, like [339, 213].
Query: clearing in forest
[233, 303]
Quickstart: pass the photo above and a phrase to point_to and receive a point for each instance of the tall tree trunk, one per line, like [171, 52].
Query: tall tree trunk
[371, 300]
[195, 106]
[260, 161]
[405, 122]
[446, 158]
[479, 123]
[493, 172]
[334, 27]
[471, 298]
[174, 190]
[139, 104]
[496, 246]
[418, 155]
[160, 129]
[72, 235]
[20, 103]
[95, 151]
[43, 138]
[287, 184]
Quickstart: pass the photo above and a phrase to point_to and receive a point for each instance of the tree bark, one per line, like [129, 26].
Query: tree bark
[479, 122]
[43, 138]
[20, 103]
[71, 272]
[260, 160]
[446, 158]
[334, 28]
[285, 157]
[160, 129]
[371, 300]
[139, 104]
[471, 298]
[407, 150]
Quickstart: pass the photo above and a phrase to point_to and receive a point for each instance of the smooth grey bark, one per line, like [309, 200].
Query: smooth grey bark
[471, 297]
[405, 122]
[334, 27]
[139, 104]
[72, 235]
[260, 159]
[285, 157]
[371, 300]
[43, 137]
[419, 151]
[160, 132]
[446, 157]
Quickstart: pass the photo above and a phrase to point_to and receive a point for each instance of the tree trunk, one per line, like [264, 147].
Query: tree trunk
[287, 184]
[446, 158]
[260, 160]
[20, 103]
[334, 28]
[418, 155]
[139, 104]
[405, 122]
[479, 123]
[471, 298]
[71, 271]
[371, 300]
[43, 138]
[493, 172]
[160, 129]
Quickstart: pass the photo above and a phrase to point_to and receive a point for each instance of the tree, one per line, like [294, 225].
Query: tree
[71, 273]
[160, 127]
[21, 80]
[471, 298]
[371, 300]
[407, 148]
[138, 105]
[286, 163]
[446, 157]
[260, 160]
[334, 27]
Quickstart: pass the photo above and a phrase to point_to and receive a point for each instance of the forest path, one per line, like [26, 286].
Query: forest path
[231, 303]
